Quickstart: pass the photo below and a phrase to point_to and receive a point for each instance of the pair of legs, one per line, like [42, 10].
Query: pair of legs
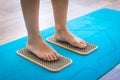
[35, 43]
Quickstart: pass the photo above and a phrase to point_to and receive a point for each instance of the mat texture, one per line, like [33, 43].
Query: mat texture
[50, 65]
[90, 46]
[101, 27]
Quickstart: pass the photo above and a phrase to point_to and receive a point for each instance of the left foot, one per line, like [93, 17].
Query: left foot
[65, 35]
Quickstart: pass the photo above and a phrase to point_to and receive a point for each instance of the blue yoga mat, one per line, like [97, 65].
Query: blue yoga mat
[101, 27]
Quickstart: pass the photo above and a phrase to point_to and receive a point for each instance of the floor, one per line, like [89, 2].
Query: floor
[12, 23]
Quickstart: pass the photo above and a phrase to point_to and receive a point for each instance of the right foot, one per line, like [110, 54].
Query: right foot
[42, 50]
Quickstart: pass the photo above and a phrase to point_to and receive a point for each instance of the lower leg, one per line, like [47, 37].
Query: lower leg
[60, 14]
[35, 43]
[30, 10]
[60, 8]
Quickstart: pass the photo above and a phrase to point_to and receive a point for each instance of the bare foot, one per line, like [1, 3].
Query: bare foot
[66, 36]
[38, 47]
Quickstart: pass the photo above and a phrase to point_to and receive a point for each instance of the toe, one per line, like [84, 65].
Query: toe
[50, 57]
[57, 55]
[44, 57]
[54, 56]
[82, 44]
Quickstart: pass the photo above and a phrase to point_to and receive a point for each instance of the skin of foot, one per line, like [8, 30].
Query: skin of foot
[38, 47]
[42, 50]
[65, 35]
[35, 43]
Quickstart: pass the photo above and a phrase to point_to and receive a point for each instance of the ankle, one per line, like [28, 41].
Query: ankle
[61, 31]
[60, 28]
[34, 39]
